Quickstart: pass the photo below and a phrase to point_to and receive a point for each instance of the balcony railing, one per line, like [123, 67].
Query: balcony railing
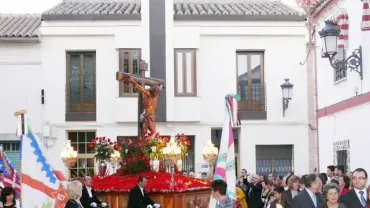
[81, 106]
[252, 103]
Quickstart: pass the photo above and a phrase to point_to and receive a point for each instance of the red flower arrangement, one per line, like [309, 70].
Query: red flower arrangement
[102, 147]
[136, 154]
[157, 182]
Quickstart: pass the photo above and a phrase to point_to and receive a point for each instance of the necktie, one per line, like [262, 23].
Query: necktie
[363, 200]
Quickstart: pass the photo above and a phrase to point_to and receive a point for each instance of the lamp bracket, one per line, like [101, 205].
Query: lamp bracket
[285, 105]
[352, 62]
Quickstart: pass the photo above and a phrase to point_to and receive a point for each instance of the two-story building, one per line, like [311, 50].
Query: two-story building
[203, 50]
[20, 68]
[343, 94]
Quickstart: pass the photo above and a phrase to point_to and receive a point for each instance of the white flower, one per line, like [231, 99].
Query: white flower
[126, 150]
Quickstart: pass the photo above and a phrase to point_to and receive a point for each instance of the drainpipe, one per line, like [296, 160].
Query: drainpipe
[316, 105]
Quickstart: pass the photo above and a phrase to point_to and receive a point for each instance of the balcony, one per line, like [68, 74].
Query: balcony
[80, 104]
[252, 103]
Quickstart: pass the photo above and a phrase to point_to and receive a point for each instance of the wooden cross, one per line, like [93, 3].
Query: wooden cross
[143, 81]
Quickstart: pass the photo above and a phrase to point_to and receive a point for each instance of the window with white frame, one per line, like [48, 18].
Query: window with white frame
[185, 72]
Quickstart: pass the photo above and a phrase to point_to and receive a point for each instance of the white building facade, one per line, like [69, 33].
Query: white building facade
[20, 66]
[201, 57]
[343, 97]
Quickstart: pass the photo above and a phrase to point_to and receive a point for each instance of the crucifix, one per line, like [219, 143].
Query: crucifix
[147, 101]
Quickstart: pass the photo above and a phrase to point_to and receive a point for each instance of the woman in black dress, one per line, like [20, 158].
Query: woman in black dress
[74, 191]
[8, 197]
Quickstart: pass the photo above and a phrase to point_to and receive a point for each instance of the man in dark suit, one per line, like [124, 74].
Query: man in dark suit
[138, 197]
[357, 197]
[89, 199]
[310, 197]
[254, 192]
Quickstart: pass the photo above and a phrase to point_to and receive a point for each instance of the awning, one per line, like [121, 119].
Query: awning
[365, 24]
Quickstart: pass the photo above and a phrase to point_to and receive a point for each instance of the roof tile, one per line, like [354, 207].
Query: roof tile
[102, 9]
[318, 6]
[19, 25]
[246, 7]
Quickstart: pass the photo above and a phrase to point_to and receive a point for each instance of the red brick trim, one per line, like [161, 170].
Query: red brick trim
[343, 105]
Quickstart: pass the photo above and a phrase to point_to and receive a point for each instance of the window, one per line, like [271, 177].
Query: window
[250, 81]
[342, 158]
[340, 73]
[276, 159]
[85, 162]
[185, 72]
[188, 161]
[12, 151]
[10, 146]
[81, 86]
[129, 60]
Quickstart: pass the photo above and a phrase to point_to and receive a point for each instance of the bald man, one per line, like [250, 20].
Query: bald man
[89, 198]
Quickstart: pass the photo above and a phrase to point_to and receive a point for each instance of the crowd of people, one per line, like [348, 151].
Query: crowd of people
[333, 189]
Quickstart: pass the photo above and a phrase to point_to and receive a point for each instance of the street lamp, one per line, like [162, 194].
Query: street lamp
[69, 156]
[210, 153]
[114, 159]
[171, 154]
[287, 89]
[330, 35]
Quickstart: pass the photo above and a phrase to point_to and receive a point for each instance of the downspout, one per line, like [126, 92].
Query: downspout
[316, 104]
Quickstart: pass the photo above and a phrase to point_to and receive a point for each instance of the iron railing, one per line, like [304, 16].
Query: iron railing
[252, 97]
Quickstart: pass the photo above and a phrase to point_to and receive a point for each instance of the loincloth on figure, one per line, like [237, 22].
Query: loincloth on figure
[146, 121]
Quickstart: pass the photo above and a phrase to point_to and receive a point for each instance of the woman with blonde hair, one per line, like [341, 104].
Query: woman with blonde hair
[74, 191]
[293, 183]
[240, 198]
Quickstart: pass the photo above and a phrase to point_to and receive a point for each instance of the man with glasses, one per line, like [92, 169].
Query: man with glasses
[357, 197]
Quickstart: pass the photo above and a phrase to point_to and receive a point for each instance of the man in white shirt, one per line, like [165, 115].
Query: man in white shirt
[138, 197]
[330, 172]
[89, 199]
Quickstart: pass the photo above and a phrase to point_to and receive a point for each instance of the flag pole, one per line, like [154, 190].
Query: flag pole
[21, 131]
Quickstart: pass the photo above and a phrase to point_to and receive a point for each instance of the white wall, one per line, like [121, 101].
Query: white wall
[329, 92]
[350, 125]
[20, 69]
[216, 44]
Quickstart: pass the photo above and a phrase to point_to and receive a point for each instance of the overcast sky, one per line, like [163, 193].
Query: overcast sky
[26, 6]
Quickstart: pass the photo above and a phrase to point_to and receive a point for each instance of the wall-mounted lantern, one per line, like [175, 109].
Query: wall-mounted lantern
[330, 35]
[287, 89]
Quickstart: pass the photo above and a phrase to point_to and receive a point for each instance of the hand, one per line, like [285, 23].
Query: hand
[156, 205]
[126, 77]
[149, 206]
[104, 204]
[93, 204]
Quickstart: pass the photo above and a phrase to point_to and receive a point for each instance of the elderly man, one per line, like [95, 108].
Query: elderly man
[89, 198]
[254, 192]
